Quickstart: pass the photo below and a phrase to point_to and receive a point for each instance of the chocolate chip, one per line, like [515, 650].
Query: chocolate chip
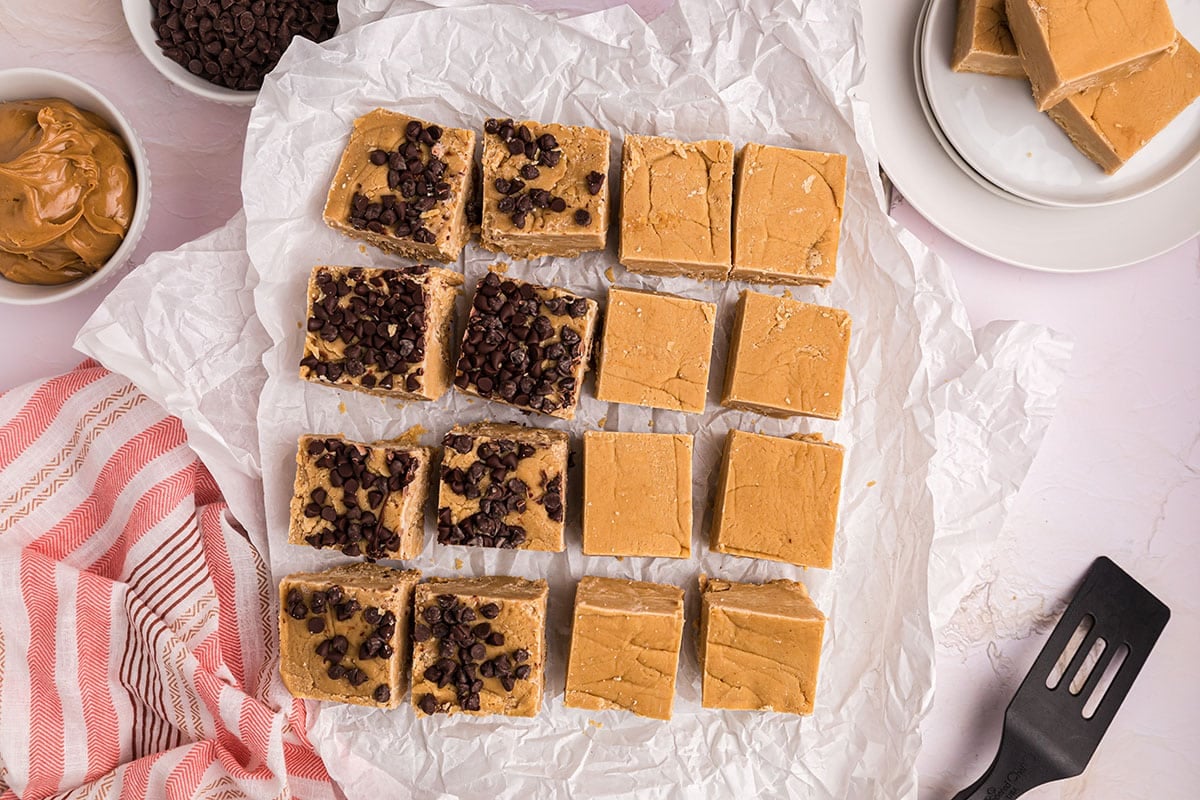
[316, 624]
[495, 639]
[336, 672]
[522, 672]
[595, 182]
[516, 147]
[421, 633]
[521, 655]
[428, 704]
[529, 172]
[582, 216]
[382, 693]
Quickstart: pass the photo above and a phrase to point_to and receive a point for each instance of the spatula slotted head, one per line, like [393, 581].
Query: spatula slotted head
[1112, 616]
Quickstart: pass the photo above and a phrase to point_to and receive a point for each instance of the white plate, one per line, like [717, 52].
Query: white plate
[994, 125]
[1005, 228]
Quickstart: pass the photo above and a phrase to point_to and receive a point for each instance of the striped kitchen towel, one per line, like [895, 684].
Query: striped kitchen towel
[137, 635]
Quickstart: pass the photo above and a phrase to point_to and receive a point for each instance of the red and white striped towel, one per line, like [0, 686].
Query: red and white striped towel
[137, 639]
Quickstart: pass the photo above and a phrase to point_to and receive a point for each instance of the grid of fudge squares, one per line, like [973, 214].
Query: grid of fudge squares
[637, 494]
[366, 500]
[625, 641]
[655, 350]
[676, 202]
[527, 345]
[760, 646]
[479, 646]
[381, 331]
[1067, 46]
[545, 188]
[777, 498]
[503, 486]
[343, 634]
[787, 357]
[788, 215]
[404, 186]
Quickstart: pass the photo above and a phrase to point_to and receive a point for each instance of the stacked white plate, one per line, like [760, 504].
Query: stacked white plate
[973, 155]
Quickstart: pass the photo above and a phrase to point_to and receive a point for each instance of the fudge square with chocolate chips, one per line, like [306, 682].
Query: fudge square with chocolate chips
[526, 345]
[637, 494]
[787, 357]
[403, 186]
[362, 499]
[545, 188]
[655, 350]
[676, 201]
[503, 486]
[788, 215]
[625, 642]
[777, 498]
[760, 646]
[479, 646]
[381, 331]
[343, 634]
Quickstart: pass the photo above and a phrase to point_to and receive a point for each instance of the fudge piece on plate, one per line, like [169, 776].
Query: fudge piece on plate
[381, 331]
[403, 185]
[362, 499]
[545, 188]
[983, 42]
[343, 634]
[503, 486]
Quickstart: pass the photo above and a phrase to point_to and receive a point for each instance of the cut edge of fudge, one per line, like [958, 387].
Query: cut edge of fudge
[550, 494]
[982, 41]
[369, 578]
[441, 287]
[727, 596]
[582, 234]
[446, 246]
[529, 598]
[716, 532]
[622, 598]
[412, 535]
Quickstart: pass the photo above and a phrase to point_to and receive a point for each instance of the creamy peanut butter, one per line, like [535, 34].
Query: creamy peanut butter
[66, 191]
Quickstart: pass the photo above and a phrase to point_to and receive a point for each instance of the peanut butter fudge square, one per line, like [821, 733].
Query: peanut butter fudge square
[403, 185]
[545, 188]
[381, 331]
[503, 486]
[787, 357]
[655, 350]
[788, 217]
[479, 646]
[1069, 46]
[760, 646]
[777, 498]
[676, 202]
[637, 494]
[625, 646]
[343, 634]
[1109, 124]
[362, 499]
[527, 345]
[983, 42]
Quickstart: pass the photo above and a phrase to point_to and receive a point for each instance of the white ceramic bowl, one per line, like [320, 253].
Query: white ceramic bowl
[29, 84]
[139, 16]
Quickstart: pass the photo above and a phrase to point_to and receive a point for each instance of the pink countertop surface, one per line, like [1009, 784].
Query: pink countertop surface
[1119, 473]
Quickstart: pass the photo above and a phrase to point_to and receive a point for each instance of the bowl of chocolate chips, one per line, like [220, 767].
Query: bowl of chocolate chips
[222, 49]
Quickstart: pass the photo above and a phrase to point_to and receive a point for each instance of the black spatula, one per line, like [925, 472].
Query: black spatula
[1047, 736]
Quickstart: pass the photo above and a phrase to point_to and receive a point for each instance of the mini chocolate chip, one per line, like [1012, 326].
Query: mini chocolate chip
[489, 610]
[382, 693]
[595, 182]
[582, 216]
[529, 172]
[316, 624]
[428, 704]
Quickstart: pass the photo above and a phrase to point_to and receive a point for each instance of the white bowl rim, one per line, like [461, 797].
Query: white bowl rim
[139, 18]
[141, 204]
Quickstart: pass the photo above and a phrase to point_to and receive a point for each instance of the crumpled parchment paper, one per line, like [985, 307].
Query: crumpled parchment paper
[940, 426]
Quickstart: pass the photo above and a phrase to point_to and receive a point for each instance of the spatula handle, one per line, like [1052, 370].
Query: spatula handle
[1014, 771]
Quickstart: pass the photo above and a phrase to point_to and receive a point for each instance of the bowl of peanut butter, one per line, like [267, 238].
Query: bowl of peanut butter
[74, 187]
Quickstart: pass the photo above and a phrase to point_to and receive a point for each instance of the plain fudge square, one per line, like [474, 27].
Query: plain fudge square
[637, 494]
[777, 498]
[625, 642]
[676, 204]
[343, 634]
[788, 215]
[787, 357]
[479, 646]
[363, 499]
[381, 331]
[545, 188]
[527, 345]
[503, 486]
[403, 185]
[760, 646]
[655, 350]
